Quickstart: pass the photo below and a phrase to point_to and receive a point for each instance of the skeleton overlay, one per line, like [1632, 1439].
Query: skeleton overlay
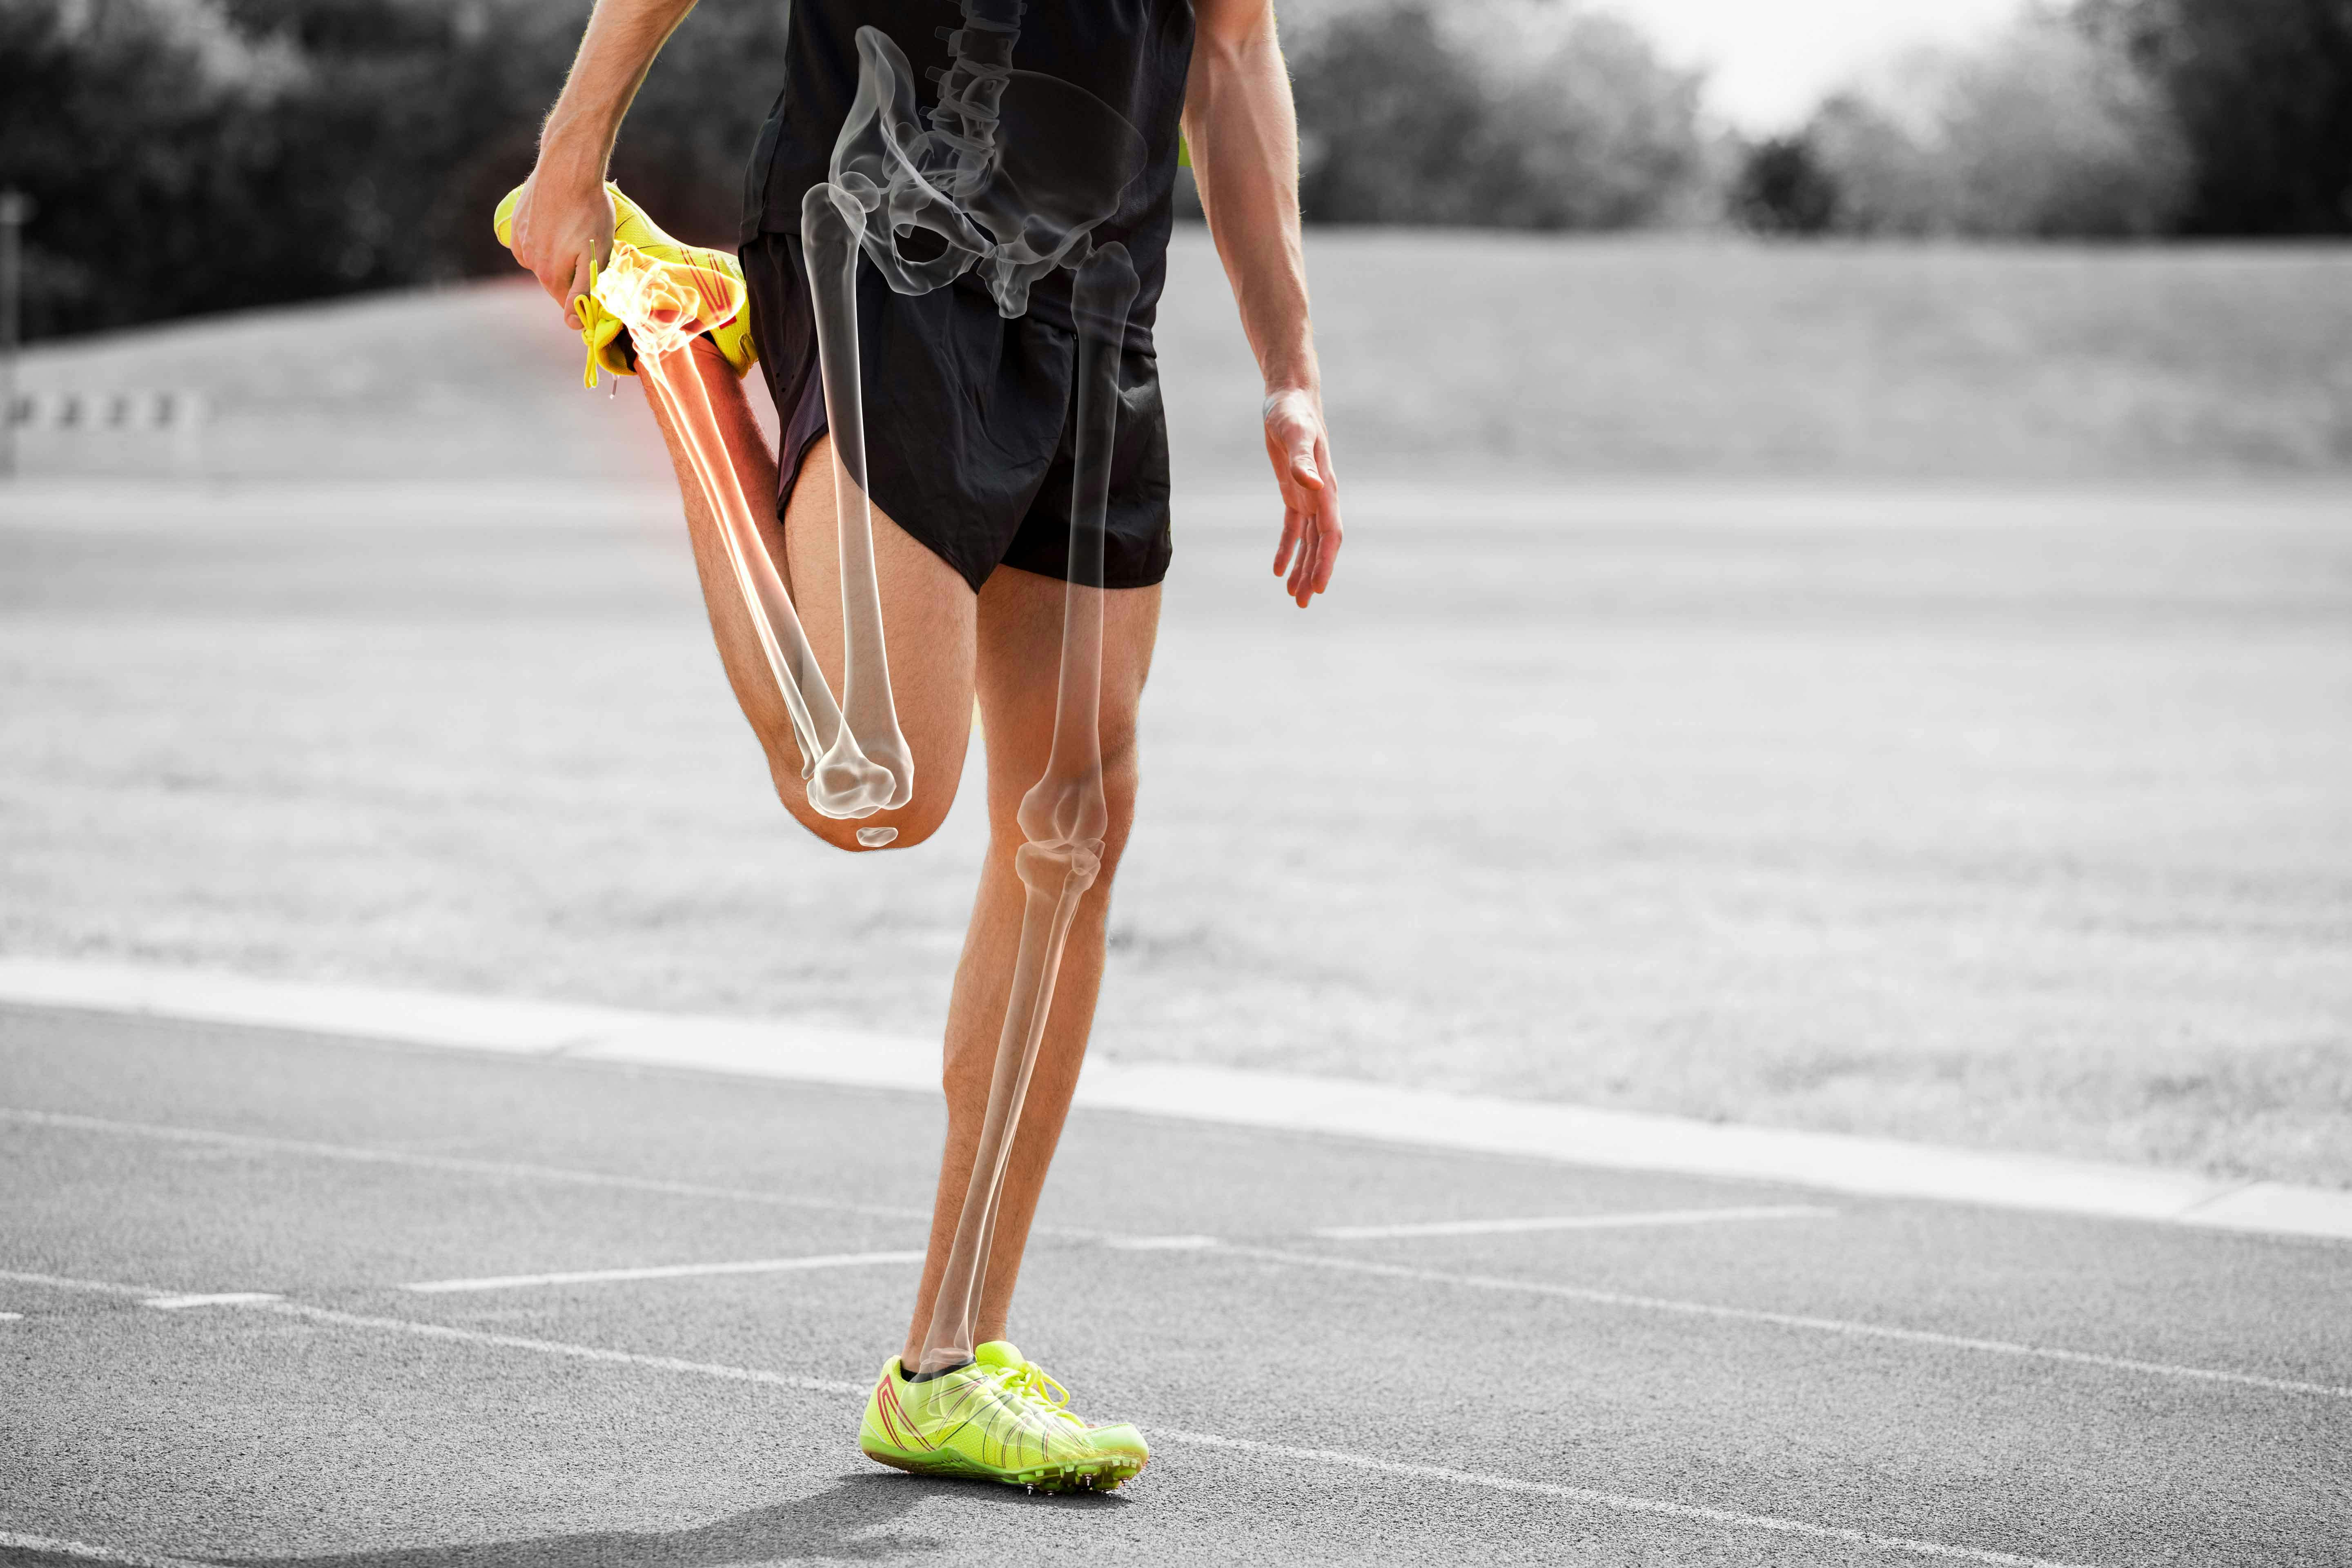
[1008, 180]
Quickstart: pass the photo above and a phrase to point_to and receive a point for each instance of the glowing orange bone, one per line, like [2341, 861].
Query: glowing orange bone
[666, 306]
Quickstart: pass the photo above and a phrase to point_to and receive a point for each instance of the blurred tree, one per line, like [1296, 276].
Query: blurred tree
[1783, 188]
[1389, 120]
[2261, 90]
[201, 155]
[417, 114]
[1503, 117]
[1597, 132]
[691, 131]
[124, 119]
[2049, 132]
[207, 155]
[2046, 131]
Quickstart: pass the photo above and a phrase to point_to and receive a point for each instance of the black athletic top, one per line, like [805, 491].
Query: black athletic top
[1133, 54]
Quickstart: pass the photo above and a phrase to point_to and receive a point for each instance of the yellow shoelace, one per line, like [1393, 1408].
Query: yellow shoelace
[1030, 1381]
[591, 315]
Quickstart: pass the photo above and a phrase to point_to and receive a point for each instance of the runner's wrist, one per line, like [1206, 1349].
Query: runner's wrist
[1293, 369]
[572, 156]
[1279, 389]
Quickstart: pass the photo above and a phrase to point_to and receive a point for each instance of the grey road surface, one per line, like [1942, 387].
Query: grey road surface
[1777, 1379]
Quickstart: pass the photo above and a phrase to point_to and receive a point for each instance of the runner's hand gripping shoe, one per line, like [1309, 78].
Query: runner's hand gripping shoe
[996, 1418]
[721, 273]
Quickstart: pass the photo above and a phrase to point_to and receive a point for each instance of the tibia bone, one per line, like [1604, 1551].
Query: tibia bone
[665, 309]
[666, 306]
[1064, 816]
[1056, 876]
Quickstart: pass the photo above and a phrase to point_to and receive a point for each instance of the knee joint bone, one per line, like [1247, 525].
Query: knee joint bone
[1059, 870]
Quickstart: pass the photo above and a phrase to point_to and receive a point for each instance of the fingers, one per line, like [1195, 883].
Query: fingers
[1300, 519]
[1310, 531]
[555, 249]
[1292, 522]
[1304, 577]
[1331, 532]
[580, 272]
[1301, 456]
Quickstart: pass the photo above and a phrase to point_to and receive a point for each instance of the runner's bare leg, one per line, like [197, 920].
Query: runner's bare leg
[1063, 818]
[930, 609]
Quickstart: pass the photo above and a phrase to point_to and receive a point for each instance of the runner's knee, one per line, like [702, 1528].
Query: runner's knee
[910, 825]
[1119, 780]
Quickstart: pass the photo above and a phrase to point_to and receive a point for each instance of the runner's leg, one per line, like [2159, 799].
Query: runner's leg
[929, 613]
[1020, 651]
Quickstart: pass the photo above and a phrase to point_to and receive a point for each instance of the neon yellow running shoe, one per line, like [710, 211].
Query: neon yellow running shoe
[601, 331]
[996, 1418]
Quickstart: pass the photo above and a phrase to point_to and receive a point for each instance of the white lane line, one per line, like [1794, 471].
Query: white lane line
[1588, 1137]
[661, 1271]
[55, 1547]
[1619, 1502]
[1160, 1243]
[1622, 1502]
[12, 1317]
[146, 1295]
[1631, 1221]
[218, 1298]
[457, 1164]
[1475, 1281]
[333, 1008]
[1791, 1320]
[67, 1282]
[565, 1348]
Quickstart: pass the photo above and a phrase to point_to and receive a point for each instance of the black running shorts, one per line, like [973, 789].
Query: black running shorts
[970, 421]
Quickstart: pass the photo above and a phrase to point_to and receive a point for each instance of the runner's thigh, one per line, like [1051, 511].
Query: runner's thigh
[929, 617]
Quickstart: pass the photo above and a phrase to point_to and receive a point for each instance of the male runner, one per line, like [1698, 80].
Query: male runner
[969, 451]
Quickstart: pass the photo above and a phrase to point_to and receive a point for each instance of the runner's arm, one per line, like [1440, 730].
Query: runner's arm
[1242, 132]
[563, 220]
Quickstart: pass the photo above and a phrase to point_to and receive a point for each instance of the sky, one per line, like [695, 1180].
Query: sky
[1771, 60]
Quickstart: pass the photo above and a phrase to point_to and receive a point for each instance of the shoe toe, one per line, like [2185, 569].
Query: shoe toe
[1119, 1441]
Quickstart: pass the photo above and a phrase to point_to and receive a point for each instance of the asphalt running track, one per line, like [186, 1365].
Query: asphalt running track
[657, 1299]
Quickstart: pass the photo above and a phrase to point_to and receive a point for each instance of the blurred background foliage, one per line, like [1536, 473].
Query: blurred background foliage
[2108, 119]
[192, 155]
[1431, 111]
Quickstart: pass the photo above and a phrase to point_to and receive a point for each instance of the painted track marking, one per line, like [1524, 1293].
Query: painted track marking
[220, 1299]
[1617, 1501]
[1633, 1220]
[1622, 1502]
[509, 1170]
[455, 1164]
[1591, 1496]
[1275, 1255]
[70, 1283]
[564, 1348]
[1790, 1320]
[1589, 1137]
[662, 1271]
[55, 1547]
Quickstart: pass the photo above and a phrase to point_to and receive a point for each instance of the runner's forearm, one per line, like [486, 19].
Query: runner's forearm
[1243, 135]
[615, 52]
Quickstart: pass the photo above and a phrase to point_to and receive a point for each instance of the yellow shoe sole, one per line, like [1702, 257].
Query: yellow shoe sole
[1100, 1474]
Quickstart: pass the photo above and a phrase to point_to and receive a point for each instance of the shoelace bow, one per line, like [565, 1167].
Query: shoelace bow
[591, 314]
[1030, 1381]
